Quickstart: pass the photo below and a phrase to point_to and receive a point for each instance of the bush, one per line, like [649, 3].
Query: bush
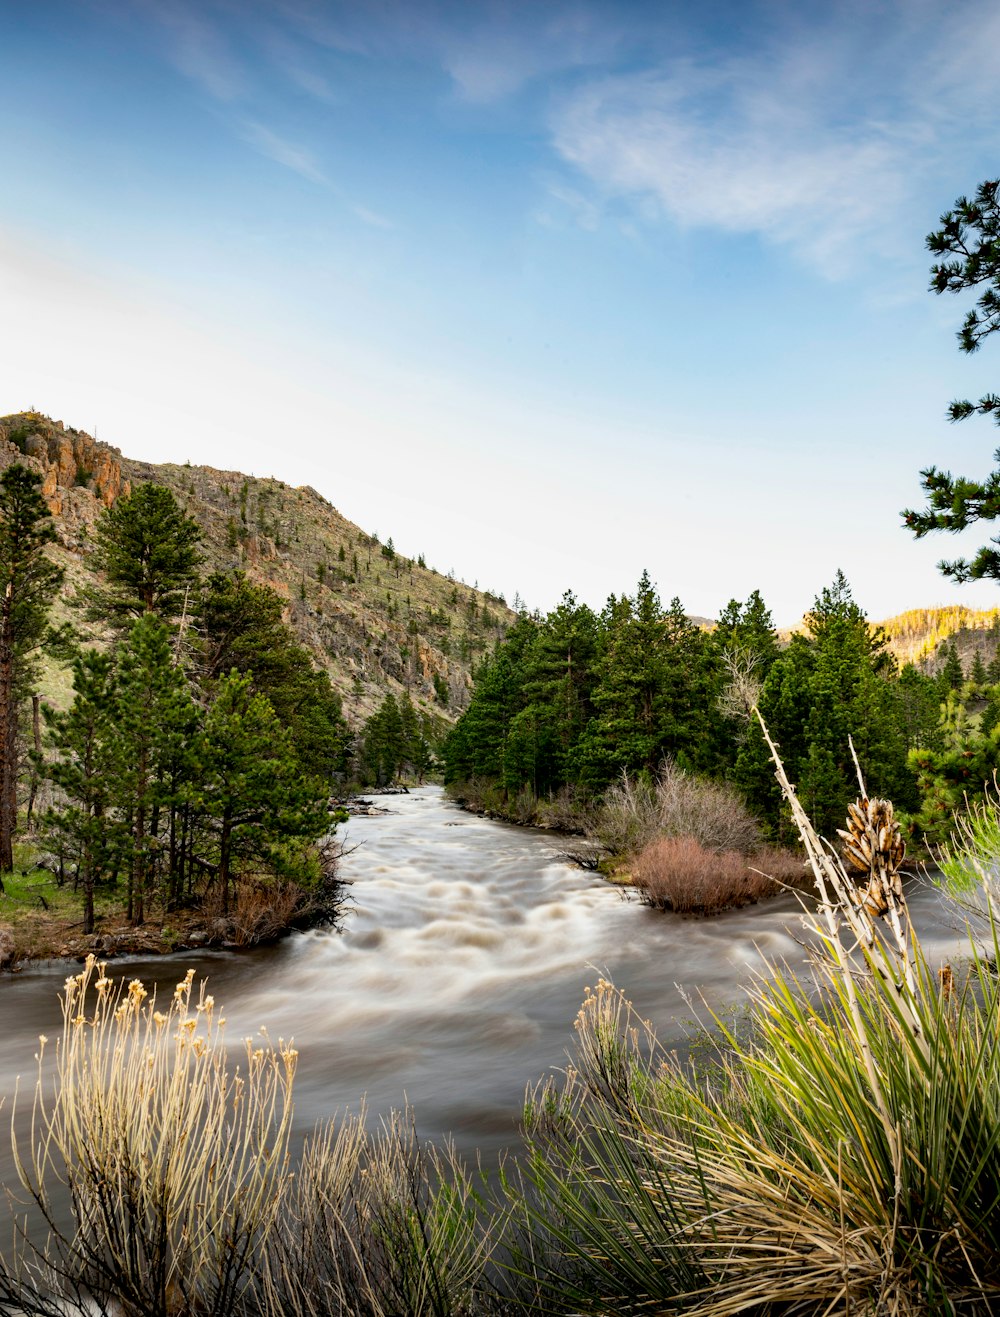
[174, 1163]
[376, 1224]
[679, 873]
[634, 812]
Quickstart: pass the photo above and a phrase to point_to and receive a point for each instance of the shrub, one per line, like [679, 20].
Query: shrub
[677, 804]
[679, 873]
[376, 1224]
[174, 1162]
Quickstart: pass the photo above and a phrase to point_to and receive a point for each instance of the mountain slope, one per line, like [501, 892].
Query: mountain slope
[917, 635]
[374, 619]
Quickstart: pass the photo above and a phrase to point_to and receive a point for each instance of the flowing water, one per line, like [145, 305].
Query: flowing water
[458, 973]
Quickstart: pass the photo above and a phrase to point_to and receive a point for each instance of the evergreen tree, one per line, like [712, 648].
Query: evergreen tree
[29, 581]
[480, 744]
[241, 629]
[84, 771]
[836, 682]
[956, 774]
[653, 695]
[978, 674]
[558, 681]
[951, 676]
[147, 549]
[250, 793]
[152, 710]
[970, 237]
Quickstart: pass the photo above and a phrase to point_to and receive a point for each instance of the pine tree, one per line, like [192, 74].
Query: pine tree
[951, 676]
[152, 708]
[250, 793]
[147, 549]
[83, 770]
[834, 683]
[970, 236]
[978, 674]
[241, 629]
[29, 581]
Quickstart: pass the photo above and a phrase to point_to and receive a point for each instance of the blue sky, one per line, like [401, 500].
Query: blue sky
[550, 292]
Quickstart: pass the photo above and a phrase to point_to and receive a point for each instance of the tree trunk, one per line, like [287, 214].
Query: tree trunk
[8, 735]
[224, 846]
[36, 730]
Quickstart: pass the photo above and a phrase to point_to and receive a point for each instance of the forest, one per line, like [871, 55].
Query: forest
[571, 702]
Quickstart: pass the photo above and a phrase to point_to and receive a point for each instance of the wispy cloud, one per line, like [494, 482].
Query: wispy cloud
[815, 141]
[373, 218]
[754, 167]
[510, 46]
[283, 152]
[198, 48]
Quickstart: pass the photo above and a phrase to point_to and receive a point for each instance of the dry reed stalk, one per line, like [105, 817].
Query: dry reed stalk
[175, 1162]
[837, 901]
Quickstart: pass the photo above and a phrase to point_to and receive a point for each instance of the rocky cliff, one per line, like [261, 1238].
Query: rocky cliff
[375, 619]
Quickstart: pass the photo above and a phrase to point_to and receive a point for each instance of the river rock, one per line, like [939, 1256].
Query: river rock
[6, 946]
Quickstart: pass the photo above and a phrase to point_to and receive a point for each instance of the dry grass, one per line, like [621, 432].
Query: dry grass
[174, 1160]
[263, 911]
[680, 874]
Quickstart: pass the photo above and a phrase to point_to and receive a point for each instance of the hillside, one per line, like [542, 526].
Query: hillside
[916, 636]
[376, 620]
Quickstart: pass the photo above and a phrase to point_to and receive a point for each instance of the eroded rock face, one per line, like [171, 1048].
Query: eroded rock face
[80, 475]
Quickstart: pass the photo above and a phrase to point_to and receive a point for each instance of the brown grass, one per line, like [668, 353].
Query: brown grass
[681, 874]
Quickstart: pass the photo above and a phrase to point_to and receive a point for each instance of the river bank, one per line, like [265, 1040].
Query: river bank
[41, 919]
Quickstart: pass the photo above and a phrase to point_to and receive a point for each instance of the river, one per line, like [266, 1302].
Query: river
[458, 973]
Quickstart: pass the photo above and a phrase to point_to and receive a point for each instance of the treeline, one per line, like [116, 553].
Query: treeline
[570, 701]
[200, 744]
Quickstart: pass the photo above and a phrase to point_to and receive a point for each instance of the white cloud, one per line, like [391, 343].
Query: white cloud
[817, 139]
[283, 152]
[722, 150]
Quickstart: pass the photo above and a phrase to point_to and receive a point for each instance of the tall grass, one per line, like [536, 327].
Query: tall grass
[160, 1173]
[174, 1162]
[378, 1224]
[844, 1159]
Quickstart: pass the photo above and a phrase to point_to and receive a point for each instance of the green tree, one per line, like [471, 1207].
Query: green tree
[969, 242]
[147, 549]
[955, 774]
[83, 770]
[241, 628]
[250, 793]
[952, 675]
[836, 682]
[152, 713]
[978, 673]
[29, 581]
[652, 696]
[558, 681]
